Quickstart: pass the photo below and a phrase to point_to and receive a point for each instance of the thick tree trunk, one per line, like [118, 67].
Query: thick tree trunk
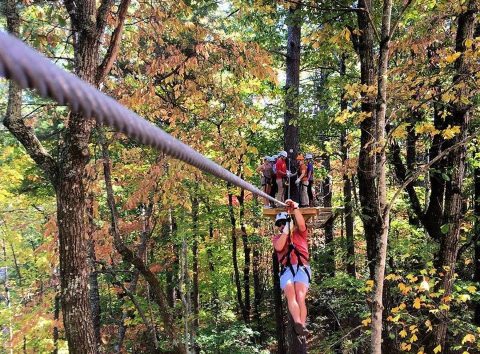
[382, 232]
[291, 130]
[367, 169]
[458, 116]
[347, 188]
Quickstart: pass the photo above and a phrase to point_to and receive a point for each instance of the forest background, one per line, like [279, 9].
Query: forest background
[158, 257]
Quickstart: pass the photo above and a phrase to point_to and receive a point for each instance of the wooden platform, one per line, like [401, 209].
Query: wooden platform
[323, 213]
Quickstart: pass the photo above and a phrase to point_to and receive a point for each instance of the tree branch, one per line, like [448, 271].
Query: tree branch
[395, 25]
[114, 46]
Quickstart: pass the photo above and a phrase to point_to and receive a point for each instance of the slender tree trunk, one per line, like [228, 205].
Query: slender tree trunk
[94, 287]
[195, 292]
[56, 319]
[382, 232]
[234, 256]
[246, 252]
[329, 265]
[476, 278]
[291, 130]
[277, 297]
[458, 116]
[257, 291]
[7, 296]
[172, 271]
[130, 257]
[131, 289]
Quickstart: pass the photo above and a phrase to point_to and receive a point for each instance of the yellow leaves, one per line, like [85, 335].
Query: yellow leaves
[412, 278]
[463, 297]
[450, 132]
[437, 349]
[471, 289]
[426, 128]
[366, 321]
[343, 116]
[404, 288]
[413, 338]
[469, 338]
[452, 57]
[392, 276]
[417, 303]
[369, 285]
[400, 131]
[403, 333]
[468, 43]
[406, 347]
[421, 350]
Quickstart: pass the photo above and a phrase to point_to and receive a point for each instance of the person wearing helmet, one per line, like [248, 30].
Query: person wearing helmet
[302, 181]
[309, 158]
[266, 172]
[281, 174]
[291, 247]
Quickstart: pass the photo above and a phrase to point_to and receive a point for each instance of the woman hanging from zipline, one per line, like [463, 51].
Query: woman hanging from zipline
[291, 246]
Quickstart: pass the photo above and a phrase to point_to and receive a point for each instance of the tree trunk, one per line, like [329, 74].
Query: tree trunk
[291, 130]
[234, 256]
[94, 288]
[367, 158]
[347, 184]
[329, 265]
[246, 252]
[129, 256]
[458, 116]
[195, 292]
[476, 278]
[277, 298]
[257, 291]
[382, 232]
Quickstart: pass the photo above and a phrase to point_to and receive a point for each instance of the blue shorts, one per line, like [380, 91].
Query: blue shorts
[300, 276]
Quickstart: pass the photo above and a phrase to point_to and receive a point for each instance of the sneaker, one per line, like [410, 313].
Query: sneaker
[300, 329]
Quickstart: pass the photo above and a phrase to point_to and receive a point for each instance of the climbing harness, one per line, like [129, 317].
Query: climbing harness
[286, 256]
[30, 69]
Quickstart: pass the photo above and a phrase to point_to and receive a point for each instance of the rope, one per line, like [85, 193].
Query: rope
[30, 69]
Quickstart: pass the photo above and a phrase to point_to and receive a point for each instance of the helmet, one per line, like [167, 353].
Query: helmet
[272, 159]
[300, 157]
[308, 156]
[266, 158]
[283, 154]
[283, 216]
[275, 157]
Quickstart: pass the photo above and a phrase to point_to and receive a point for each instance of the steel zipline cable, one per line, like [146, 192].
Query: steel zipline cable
[30, 69]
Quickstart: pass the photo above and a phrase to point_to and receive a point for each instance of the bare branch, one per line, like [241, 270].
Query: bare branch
[114, 46]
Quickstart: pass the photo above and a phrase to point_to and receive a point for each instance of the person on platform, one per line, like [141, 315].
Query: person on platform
[291, 246]
[266, 172]
[274, 189]
[302, 181]
[309, 158]
[281, 175]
